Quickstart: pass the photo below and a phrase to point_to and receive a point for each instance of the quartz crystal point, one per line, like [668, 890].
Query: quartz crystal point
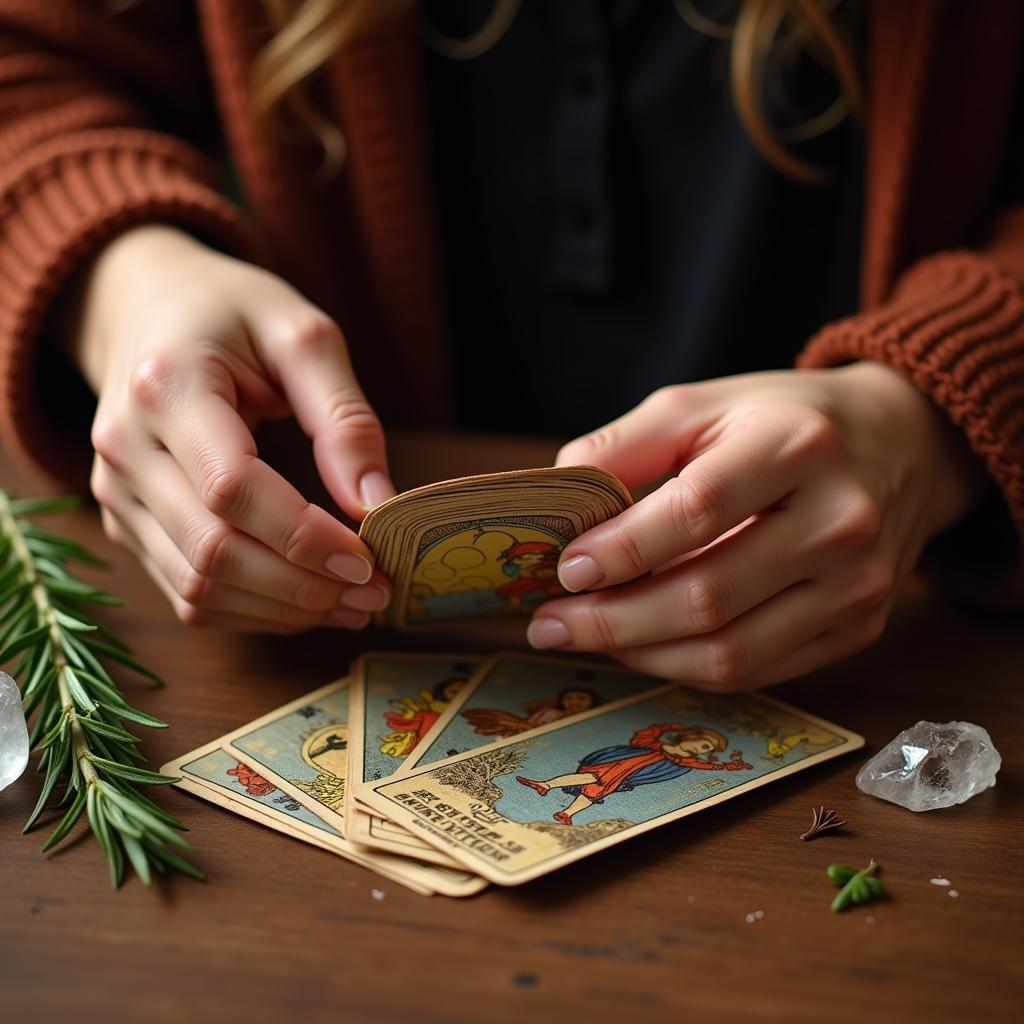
[13, 733]
[930, 766]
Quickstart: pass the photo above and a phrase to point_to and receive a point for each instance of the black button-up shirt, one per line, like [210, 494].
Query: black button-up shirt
[607, 225]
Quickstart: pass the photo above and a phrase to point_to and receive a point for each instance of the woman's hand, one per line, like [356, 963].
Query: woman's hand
[803, 502]
[187, 350]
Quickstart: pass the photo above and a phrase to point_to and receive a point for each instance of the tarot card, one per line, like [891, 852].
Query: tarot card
[528, 805]
[484, 547]
[516, 693]
[302, 747]
[213, 767]
[214, 775]
[394, 699]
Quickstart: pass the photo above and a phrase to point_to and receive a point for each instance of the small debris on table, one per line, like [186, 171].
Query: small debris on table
[857, 886]
[821, 821]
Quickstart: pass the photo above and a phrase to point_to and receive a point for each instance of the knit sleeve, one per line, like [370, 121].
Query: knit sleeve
[80, 161]
[954, 326]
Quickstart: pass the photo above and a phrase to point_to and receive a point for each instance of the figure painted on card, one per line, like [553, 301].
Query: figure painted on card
[486, 568]
[533, 566]
[251, 781]
[657, 753]
[413, 717]
[573, 700]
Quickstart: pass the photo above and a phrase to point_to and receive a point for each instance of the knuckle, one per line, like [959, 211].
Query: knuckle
[591, 445]
[208, 550]
[151, 382]
[858, 522]
[873, 585]
[353, 417]
[223, 489]
[190, 614]
[813, 436]
[111, 527]
[664, 399]
[312, 332]
[297, 543]
[702, 603]
[602, 630]
[101, 485]
[629, 549]
[693, 503]
[193, 587]
[314, 594]
[108, 440]
[727, 661]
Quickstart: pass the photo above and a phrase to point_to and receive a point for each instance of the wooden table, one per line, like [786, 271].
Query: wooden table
[655, 929]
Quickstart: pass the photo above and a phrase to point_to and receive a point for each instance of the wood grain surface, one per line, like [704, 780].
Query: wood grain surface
[655, 929]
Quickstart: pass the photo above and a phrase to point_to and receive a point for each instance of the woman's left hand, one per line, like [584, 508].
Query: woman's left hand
[803, 503]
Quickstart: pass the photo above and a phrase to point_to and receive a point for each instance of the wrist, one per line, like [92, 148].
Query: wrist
[931, 456]
[86, 319]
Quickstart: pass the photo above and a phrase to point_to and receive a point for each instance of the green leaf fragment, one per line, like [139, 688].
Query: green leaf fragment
[43, 506]
[68, 821]
[22, 643]
[137, 855]
[131, 773]
[840, 874]
[858, 888]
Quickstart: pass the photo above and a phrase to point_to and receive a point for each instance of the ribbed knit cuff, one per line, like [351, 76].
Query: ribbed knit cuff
[955, 328]
[58, 205]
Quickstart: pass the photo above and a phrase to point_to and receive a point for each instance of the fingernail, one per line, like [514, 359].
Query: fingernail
[375, 488]
[366, 598]
[348, 618]
[547, 632]
[351, 568]
[578, 573]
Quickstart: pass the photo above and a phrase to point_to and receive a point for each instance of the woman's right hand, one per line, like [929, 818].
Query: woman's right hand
[187, 349]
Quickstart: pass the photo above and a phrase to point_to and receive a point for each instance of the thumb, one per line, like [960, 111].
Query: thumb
[311, 360]
[647, 442]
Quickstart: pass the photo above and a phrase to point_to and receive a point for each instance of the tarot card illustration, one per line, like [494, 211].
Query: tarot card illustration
[303, 748]
[517, 693]
[485, 547]
[213, 774]
[526, 806]
[487, 568]
[395, 701]
[239, 781]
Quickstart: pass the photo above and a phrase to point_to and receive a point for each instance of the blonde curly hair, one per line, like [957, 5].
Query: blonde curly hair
[307, 33]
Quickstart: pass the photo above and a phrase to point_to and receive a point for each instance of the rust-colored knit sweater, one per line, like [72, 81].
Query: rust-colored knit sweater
[105, 122]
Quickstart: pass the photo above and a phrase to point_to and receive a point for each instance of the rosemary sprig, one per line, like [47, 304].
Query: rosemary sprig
[80, 713]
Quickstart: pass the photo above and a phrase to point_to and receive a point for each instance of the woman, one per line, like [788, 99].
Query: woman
[600, 197]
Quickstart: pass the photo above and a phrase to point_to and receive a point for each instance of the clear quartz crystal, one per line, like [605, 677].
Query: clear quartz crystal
[13, 733]
[930, 766]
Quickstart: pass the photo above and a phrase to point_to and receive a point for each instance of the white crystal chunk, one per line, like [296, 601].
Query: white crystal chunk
[930, 766]
[13, 732]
